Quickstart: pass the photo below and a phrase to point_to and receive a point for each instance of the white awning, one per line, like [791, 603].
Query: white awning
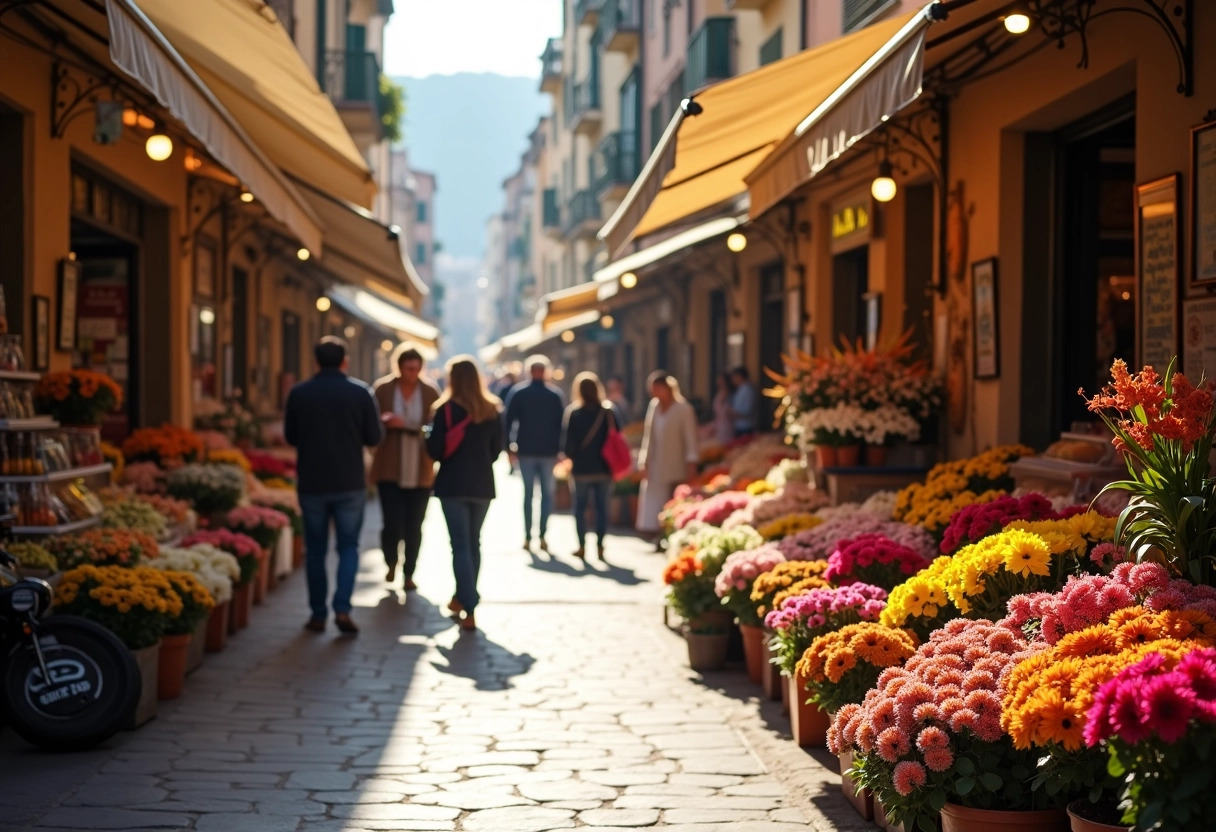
[389, 317]
[141, 51]
[672, 245]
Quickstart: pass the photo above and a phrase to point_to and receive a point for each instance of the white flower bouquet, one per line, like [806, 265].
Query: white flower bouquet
[216, 569]
[210, 488]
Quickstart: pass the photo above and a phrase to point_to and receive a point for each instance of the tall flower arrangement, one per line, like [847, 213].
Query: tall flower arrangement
[77, 397]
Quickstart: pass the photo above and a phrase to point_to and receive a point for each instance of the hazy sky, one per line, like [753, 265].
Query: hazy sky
[441, 37]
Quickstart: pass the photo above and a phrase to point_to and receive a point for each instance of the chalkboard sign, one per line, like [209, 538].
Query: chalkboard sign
[1157, 266]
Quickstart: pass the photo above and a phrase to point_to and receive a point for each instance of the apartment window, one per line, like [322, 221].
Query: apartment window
[666, 30]
[420, 254]
[860, 13]
[656, 124]
[422, 212]
[771, 49]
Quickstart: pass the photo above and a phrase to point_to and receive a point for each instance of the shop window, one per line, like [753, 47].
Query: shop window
[662, 348]
[421, 212]
[420, 254]
[717, 337]
[770, 50]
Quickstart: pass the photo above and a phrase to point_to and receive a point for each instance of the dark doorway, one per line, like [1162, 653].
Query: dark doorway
[12, 217]
[629, 372]
[918, 267]
[850, 283]
[240, 333]
[662, 348]
[772, 333]
[291, 355]
[717, 338]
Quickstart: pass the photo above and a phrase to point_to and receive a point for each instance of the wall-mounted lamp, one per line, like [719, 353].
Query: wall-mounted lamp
[568, 336]
[206, 316]
[736, 242]
[386, 345]
[303, 254]
[559, 374]
[629, 280]
[350, 331]
[607, 321]
[246, 195]
[1017, 22]
[323, 304]
[159, 146]
[883, 188]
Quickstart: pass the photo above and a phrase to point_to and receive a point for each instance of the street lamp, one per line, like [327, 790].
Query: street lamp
[568, 336]
[883, 188]
[736, 242]
[303, 254]
[323, 304]
[629, 280]
[159, 146]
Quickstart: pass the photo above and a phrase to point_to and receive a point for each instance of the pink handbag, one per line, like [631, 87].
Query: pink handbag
[455, 433]
[616, 452]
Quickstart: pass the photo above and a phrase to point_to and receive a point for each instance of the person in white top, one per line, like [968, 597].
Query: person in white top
[669, 449]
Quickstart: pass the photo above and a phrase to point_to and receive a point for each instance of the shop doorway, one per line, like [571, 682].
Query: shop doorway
[291, 355]
[240, 334]
[717, 338]
[850, 283]
[662, 349]
[12, 218]
[1090, 281]
[107, 332]
[772, 333]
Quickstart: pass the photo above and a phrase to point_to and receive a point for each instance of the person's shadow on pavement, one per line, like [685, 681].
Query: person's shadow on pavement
[490, 665]
[587, 568]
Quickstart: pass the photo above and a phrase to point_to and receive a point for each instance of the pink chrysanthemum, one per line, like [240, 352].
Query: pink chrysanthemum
[908, 776]
[939, 759]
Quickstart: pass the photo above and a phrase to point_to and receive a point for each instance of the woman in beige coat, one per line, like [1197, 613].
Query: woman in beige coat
[669, 449]
[402, 471]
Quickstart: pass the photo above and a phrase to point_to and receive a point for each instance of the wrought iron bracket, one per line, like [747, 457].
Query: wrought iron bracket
[913, 142]
[72, 95]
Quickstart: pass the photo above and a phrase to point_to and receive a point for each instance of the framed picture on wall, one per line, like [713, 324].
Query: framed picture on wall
[1158, 265]
[984, 312]
[69, 285]
[1203, 202]
[204, 267]
[42, 333]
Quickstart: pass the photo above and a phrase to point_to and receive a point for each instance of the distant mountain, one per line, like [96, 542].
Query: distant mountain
[469, 129]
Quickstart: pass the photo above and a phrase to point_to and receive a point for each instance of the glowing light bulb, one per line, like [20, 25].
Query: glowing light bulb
[303, 254]
[568, 336]
[246, 196]
[386, 345]
[736, 242]
[323, 304]
[159, 147]
[349, 332]
[883, 188]
[607, 321]
[206, 316]
[629, 280]
[1017, 23]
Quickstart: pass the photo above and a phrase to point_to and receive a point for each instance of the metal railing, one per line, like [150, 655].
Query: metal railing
[710, 53]
[551, 213]
[615, 161]
[583, 208]
[352, 77]
[619, 16]
[581, 97]
[551, 58]
[857, 14]
[584, 9]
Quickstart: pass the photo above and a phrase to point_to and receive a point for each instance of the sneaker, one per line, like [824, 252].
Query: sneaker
[315, 625]
[345, 625]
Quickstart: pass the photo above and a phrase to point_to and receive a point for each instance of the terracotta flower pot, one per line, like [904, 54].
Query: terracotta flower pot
[217, 627]
[882, 821]
[961, 819]
[297, 551]
[241, 607]
[861, 799]
[770, 678]
[713, 622]
[755, 652]
[171, 673]
[198, 646]
[826, 456]
[1084, 824]
[848, 456]
[876, 455]
[707, 652]
[808, 722]
[261, 582]
[148, 661]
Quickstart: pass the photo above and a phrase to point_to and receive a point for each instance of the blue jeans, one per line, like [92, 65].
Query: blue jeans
[591, 492]
[533, 468]
[464, 516]
[345, 509]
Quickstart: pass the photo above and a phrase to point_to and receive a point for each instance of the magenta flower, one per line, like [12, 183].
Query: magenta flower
[1167, 705]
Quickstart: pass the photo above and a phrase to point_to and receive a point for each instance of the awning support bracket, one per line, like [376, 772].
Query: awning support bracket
[71, 97]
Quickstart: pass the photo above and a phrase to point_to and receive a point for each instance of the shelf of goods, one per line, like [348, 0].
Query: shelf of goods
[43, 471]
[18, 375]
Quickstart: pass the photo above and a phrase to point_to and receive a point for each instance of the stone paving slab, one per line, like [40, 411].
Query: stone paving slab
[571, 708]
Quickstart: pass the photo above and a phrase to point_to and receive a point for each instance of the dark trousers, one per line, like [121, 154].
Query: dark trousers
[594, 492]
[404, 509]
[464, 516]
[345, 511]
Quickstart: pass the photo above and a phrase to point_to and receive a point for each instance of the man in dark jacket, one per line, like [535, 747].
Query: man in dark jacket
[532, 430]
[330, 419]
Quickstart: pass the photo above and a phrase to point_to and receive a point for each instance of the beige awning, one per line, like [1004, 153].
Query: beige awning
[142, 52]
[246, 57]
[668, 247]
[364, 252]
[388, 316]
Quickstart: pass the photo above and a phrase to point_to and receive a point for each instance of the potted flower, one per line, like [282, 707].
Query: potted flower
[873, 559]
[768, 590]
[264, 525]
[247, 553]
[787, 525]
[196, 606]
[286, 501]
[820, 542]
[211, 489]
[135, 514]
[217, 571]
[840, 667]
[884, 425]
[101, 547]
[35, 560]
[949, 486]
[691, 594]
[796, 622]
[77, 398]
[168, 446]
[733, 586]
[973, 523]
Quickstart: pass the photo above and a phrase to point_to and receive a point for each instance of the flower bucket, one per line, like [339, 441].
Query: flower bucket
[785, 695]
[876, 455]
[755, 652]
[1083, 824]
[825, 456]
[217, 627]
[861, 799]
[961, 819]
[148, 661]
[707, 652]
[770, 677]
[297, 551]
[171, 670]
[714, 621]
[848, 456]
[261, 581]
[808, 722]
[241, 607]
[198, 646]
[882, 821]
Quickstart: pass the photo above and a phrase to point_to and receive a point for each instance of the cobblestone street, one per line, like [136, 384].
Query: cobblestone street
[572, 707]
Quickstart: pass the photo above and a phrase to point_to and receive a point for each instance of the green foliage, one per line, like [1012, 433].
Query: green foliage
[391, 102]
[1167, 786]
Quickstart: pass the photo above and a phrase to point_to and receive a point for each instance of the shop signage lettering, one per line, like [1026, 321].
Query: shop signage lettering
[849, 220]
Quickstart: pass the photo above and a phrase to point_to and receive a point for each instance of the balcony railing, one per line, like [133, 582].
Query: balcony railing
[352, 78]
[582, 212]
[582, 98]
[710, 53]
[615, 162]
[620, 24]
[551, 214]
[551, 60]
[587, 11]
[857, 14]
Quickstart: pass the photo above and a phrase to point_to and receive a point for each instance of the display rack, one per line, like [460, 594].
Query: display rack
[19, 375]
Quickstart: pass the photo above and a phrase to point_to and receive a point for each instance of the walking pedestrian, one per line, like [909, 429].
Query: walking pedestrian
[584, 432]
[669, 449]
[724, 416]
[466, 438]
[744, 402]
[532, 430]
[620, 402]
[330, 419]
[402, 470]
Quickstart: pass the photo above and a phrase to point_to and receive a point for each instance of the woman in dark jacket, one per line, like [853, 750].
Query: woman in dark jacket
[466, 439]
[584, 432]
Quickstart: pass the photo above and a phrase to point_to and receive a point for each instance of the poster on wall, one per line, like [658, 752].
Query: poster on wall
[984, 311]
[1203, 201]
[1157, 249]
[1199, 332]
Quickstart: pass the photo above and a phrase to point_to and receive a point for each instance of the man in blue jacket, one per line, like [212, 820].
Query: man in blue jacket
[330, 419]
[532, 430]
